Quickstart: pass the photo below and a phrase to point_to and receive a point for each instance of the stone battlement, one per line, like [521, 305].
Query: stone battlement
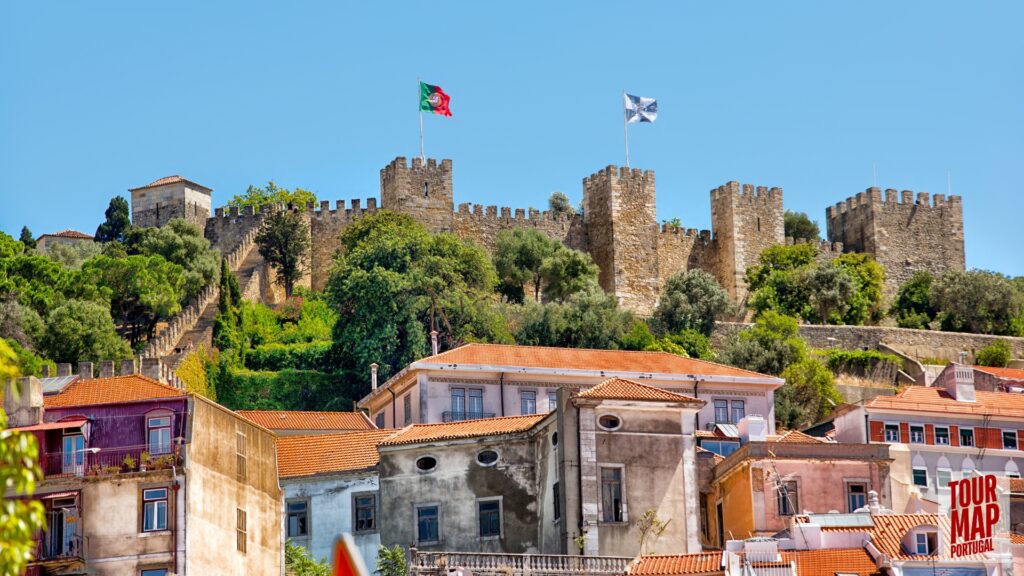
[672, 230]
[748, 193]
[482, 213]
[613, 173]
[824, 246]
[892, 198]
[400, 167]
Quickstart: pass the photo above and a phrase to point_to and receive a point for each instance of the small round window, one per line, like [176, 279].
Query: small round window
[609, 422]
[486, 457]
[426, 463]
[554, 439]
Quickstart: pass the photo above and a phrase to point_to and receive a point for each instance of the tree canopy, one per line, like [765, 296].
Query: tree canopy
[284, 242]
[798, 225]
[117, 222]
[257, 197]
[559, 203]
[691, 300]
[182, 243]
[529, 256]
[26, 238]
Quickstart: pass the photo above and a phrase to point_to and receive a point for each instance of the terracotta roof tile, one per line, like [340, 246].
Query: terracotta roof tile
[584, 359]
[933, 399]
[703, 563]
[795, 437]
[622, 389]
[169, 180]
[469, 429]
[829, 562]
[1016, 538]
[133, 388]
[325, 453]
[307, 420]
[1005, 373]
[70, 234]
[889, 530]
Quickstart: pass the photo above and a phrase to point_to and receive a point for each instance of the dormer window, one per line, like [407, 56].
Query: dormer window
[159, 434]
[926, 543]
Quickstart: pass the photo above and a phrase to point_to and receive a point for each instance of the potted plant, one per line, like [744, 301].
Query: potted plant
[129, 463]
[143, 461]
[95, 469]
[111, 469]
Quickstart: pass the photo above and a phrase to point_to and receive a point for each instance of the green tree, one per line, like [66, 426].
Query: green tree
[227, 324]
[284, 243]
[392, 561]
[559, 204]
[808, 395]
[20, 518]
[257, 197]
[181, 243]
[691, 300]
[638, 337]
[9, 247]
[913, 307]
[79, 330]
[588, 319]
[72, 256]
[799, 226]
[769, 346]
[565, 273]
[27, 238]
[117, 222]
[997, 354]
[977, 301]
[143, 290]
[829, 289]
[868, 276]
[299, 562]
[20, 324]
[695, 343]
[518, 258]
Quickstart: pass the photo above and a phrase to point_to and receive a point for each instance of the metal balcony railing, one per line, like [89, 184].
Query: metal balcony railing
[100, 461]
[437, 563]
[59, 547]
[461, 416]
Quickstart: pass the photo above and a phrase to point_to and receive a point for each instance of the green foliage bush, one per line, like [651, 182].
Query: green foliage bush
[860, 362]
[299, 562]
[690, 300]
[289, 389]
[808, 395]
[299, 356]
[996, 354]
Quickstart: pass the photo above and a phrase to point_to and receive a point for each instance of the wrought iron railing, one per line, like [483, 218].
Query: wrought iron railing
[461, 416]
[55, 546]
[431, 563]
[100, 461]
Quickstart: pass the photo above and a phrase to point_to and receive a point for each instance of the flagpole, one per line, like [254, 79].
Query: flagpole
[419, 94]
[625, 130]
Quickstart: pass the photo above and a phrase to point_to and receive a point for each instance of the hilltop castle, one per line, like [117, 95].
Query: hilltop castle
[618, 226]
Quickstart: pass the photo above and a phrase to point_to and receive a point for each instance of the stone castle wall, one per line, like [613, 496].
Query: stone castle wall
[746, 220]
[482, 225]
[682, 249]
[904, 234]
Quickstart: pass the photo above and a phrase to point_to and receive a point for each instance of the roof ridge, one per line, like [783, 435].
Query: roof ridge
[432, 424]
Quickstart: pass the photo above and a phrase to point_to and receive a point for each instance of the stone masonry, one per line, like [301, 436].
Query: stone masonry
[618, 226]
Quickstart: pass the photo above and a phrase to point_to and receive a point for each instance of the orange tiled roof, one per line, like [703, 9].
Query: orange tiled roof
[889, 530]
[584, 359]
[703, 563]
[1007, 373]
[307, 420]
[933, 399]
[1016, 538]
[168, 180]
[829, 562]
[622, 389]
[795, 437]
[70, 234]
[133, 388]
[469, 429]
[324, 453]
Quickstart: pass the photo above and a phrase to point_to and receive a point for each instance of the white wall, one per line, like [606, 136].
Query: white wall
[330, 512]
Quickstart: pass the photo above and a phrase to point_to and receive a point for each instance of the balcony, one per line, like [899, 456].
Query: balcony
[438, 564]
[106, 461]
[60, 549]
[463, 416]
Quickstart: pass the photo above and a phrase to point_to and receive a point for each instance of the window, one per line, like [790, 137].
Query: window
[74, 454]
[611, 495]
[554, 439]
[154, 509]
[967, 436]
[461, 410]
[426, 189]
[916, 434]
[527, 402]
[458, 401]
[609, 422]
[856, 496]
[556, 493]
[426, 463]
[892, 432]
[380, 420]
[159, 434]
[921, 477]
[486, 457]
[788, 498]
[489, 512]
[365, 510]
[943, 476]
[1009, 439]
[476, 402]
[298, 519]
[926, 543]
[407, 408]
[427, 525]
[155, 572]
[738, 410]
[721, 411]
[240, 529]
[942, 435]
[552, 400]
[240, 455]
[721, 447]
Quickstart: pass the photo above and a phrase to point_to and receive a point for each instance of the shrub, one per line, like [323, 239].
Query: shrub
[286, 390]
[996, 354]
[298, 356]
[808, 395]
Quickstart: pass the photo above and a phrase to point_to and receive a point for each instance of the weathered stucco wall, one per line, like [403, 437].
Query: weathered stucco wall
[217, 490]
[330, 511]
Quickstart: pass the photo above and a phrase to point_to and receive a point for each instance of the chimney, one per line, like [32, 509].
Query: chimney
[64, 369]
[23, 401]
[433, 341]
[107, 369]
[373, 376]
[85, 369]
[961, 385]
[752, 428]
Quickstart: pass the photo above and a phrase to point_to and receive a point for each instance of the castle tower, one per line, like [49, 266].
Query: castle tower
[744, 222]
[170, 197]
[423, 191]
[619, 214]
[905, 234]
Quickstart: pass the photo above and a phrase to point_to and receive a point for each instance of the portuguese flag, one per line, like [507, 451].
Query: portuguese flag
[433, 99]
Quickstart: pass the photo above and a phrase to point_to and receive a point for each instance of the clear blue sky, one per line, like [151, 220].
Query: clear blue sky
[98, 97]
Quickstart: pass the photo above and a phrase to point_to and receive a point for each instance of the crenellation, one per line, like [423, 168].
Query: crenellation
[233, 212]
[506, 213]
[891, 196]
[922, 199]
[939, 200]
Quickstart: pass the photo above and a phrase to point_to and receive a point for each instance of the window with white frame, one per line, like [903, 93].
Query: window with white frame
[158, 432]
[892, 432]
[921, 477]
[943, 476]
[916, 434]
[1009, 439]
[527, 402]
[856, 495]
[926, 543]
[942, 435]
[721, 411]
[611, 495]
[967, 436]
[154, 509]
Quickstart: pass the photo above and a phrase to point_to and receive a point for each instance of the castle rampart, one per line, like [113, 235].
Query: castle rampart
[904, 231]
[746, 219]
